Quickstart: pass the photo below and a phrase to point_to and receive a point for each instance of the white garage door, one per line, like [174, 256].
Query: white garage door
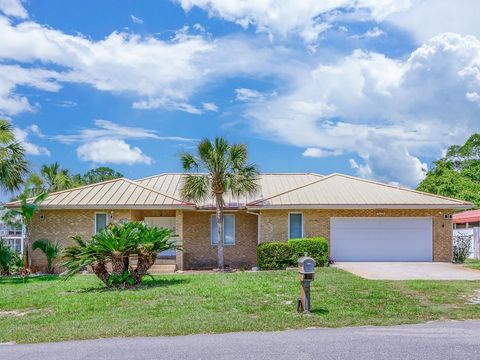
[381, 239]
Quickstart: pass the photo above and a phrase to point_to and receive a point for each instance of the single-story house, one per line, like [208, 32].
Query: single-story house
[362, 219]
[468, 223]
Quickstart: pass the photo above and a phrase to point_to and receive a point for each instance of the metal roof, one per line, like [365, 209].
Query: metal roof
[342, 191]
[117, 193]
[466, 216]
[276, 191]
[269, 185]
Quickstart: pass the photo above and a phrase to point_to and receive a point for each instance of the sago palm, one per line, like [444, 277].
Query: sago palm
[13, 165]
[50, 249]
[217, 168]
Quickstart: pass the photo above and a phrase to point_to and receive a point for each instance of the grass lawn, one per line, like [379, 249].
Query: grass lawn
[81, 308]
[472, 264]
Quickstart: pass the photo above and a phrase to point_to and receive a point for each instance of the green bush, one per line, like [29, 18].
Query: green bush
[274, 255]
[279, 255]
[316, 248]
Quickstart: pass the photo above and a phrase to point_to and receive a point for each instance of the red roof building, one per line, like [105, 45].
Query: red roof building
[469, 218]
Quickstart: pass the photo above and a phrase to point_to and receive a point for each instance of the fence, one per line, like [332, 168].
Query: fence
[475, 245]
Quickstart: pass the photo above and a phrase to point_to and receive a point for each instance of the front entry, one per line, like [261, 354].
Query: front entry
[163, 222]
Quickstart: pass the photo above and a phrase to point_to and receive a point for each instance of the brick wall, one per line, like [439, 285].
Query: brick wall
[60, 225]
[200, 253]
[274, 225]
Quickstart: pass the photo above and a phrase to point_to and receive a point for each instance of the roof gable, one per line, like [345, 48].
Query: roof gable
[117, 193]
[339, 190]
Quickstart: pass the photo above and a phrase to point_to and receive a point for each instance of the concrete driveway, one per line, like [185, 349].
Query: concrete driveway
[409, 270]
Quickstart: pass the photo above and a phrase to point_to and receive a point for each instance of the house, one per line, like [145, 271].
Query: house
[363, 220]
[468, 223]
[12, 234]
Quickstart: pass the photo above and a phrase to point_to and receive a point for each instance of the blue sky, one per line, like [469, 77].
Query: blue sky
[361, 87]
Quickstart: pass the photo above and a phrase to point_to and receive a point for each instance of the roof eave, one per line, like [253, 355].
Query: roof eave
[360, 206]
[117, 207]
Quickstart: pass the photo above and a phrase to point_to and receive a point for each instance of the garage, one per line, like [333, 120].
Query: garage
[381, 239]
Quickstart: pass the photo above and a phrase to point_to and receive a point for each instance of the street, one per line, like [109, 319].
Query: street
[435, 340]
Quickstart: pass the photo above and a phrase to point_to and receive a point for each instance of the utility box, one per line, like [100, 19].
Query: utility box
[306, 270]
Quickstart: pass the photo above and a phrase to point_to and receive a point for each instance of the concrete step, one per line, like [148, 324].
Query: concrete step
[162, 269]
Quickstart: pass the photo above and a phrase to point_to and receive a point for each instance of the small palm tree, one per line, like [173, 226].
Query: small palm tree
[13, 165]
[225, 168]
[51, 251]
[27, 209]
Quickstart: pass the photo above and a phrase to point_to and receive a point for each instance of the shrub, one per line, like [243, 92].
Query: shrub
[114, 245]
[461, 247]
[279, 255]
[10, 261]
[274, 255]
[316, 248]
[51, 251]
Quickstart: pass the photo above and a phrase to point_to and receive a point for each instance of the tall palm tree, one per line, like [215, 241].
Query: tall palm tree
[13, 165]
[54, 177]
[217, 168]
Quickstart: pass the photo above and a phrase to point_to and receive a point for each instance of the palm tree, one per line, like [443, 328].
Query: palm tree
[225, 168]
[13, 165]
[54, 177]
[50, 249]
[24, 213]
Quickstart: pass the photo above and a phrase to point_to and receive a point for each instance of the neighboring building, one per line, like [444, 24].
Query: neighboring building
[468, 223]
[363, 220]
[12, 235]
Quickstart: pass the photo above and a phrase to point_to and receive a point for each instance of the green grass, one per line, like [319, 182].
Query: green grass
[81, 308]
[472, 264]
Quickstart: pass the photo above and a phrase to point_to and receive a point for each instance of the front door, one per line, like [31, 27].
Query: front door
[163, 222]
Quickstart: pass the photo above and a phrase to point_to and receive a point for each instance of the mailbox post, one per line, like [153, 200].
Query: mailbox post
[306, 271]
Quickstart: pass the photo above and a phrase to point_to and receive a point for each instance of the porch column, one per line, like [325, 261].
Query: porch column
[179, 233]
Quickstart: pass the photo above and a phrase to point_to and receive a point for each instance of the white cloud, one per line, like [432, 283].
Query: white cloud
[12, 76]
[320, 153]
[113, 151]
[160, 73]
[244, 94]
[388, 112]
[136, 20]
[307, 18]
[369, 34]
[210, 106]
[30, 148]
[13, 8]
[106, 129]
[66, 103]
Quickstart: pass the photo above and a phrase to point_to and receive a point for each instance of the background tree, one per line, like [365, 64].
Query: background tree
[218, 168]
[457, 174]
[13, 165]
[24, 213]
[99, 174]
[51, 251]
[55, 178]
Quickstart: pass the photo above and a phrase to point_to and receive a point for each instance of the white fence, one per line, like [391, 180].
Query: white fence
[475, 245]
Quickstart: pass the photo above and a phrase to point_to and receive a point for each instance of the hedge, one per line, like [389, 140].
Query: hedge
[316, 248]
[280, 255]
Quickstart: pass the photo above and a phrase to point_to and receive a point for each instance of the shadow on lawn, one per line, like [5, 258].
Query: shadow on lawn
[147, 284]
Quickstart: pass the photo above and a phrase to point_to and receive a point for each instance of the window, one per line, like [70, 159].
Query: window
[228, 229]
[295, 225]
[100, 222]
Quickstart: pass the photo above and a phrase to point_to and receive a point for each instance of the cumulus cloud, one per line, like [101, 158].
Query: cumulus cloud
[386, 111]
[307, 19]
[30, 148]
[113, 151]
[210, 106]
[320, 153]
[13, 8]
[369, 34]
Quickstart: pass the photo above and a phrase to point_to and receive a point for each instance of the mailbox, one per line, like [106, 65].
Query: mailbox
[306, 270]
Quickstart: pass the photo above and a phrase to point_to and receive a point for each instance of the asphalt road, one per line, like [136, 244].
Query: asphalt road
[436, 340]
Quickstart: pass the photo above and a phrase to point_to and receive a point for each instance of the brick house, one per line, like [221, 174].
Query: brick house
[363, 220]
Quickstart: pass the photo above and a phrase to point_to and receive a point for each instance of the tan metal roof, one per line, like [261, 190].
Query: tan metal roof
[276, 191]
[342, 191]
[269, 185]
[118, 193]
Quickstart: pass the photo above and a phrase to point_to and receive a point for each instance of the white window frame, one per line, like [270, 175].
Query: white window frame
[294, 213]
[95, 220]
[214, 219]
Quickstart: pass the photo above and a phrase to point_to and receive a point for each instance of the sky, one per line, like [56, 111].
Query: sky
[372, 88]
